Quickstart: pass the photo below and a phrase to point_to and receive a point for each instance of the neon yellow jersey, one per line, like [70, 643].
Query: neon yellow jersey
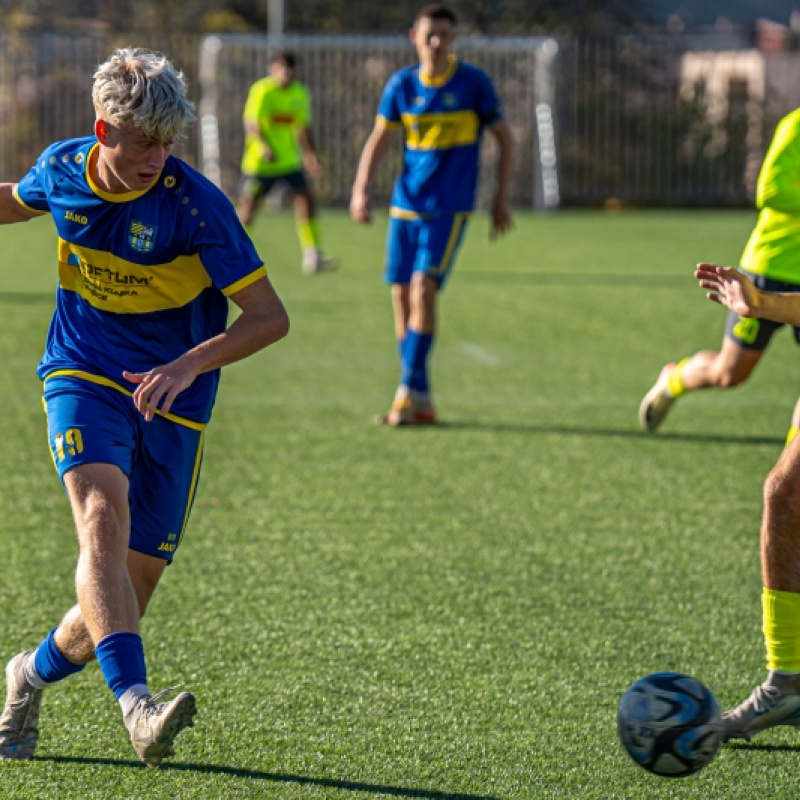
[279, 113]
[773, 249]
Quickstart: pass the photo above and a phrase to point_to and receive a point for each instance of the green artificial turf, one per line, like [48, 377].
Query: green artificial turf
[448, 613]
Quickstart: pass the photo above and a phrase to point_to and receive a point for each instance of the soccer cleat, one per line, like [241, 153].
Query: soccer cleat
[774, 702]
[405, 411]
[316, 261]
[657, 402]
[19, 723]
[155, 725]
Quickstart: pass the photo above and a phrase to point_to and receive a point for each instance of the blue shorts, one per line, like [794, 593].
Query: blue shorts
[258, 186]
[752, 333]
[89, 423]
[423, 244]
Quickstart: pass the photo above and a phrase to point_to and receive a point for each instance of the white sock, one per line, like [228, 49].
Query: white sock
[31, 675]
[130, 698]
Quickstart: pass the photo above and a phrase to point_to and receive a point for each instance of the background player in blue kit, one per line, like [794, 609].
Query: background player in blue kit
[149, 252]
[443, 106]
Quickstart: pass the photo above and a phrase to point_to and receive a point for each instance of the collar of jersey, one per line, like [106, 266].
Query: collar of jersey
[112, 197]
[442, 79]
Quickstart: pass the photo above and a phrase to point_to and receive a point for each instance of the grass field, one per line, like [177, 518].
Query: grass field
[448, 613]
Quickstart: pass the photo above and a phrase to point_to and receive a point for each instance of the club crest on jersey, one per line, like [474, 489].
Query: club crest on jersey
[142, 236]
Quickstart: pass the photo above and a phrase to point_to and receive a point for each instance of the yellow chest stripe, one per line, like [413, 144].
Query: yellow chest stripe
[439, 131]
[113, 284]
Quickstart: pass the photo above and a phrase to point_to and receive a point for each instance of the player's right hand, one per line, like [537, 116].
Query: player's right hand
[159, 387]
[359, 207]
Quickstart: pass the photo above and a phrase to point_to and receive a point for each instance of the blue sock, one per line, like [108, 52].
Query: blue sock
[121, 658]
[415, 361]
[50, 663]
[405, 361]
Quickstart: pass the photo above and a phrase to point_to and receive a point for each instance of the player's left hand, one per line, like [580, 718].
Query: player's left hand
[360, 206]
[501, 218]
[730, 288]
[314, 168]
[159, 387]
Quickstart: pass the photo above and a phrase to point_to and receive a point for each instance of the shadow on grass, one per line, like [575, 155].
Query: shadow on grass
[766, 748]
[610, 433]
[275, 777]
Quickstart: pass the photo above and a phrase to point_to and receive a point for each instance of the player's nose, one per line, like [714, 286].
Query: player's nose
[158, 156]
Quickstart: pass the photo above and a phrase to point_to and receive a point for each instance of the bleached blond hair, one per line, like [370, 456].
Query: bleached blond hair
[142, 88]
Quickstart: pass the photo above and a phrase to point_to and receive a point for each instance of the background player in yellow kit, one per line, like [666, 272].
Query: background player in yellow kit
[278, 150]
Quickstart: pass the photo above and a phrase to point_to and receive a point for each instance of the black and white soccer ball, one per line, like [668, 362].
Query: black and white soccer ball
[670, 724]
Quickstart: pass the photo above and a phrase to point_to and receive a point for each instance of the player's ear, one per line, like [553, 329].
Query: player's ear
[101, 130]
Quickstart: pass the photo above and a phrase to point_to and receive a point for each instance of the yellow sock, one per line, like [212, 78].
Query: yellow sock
[781, 628]
[308, 233]
[793, 431]
[675, 381]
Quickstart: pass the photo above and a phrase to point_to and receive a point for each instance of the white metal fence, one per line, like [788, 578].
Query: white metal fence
[627, 119]
[345, 75]
[46, 86]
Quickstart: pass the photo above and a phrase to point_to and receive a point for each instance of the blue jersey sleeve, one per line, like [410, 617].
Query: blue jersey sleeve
[388, 107]
[31, 191]
[489, 110]
[225, 250]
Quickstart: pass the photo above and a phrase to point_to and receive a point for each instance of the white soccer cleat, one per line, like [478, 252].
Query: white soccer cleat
[315, 261]
[19, 723]
[657, 402]
[154, 726]
[774, 702]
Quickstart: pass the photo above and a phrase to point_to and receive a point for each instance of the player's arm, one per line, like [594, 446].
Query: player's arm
[262, 322]
[374, 149]
[11, 210]
[735, 291]
[310, 159]
[501, 207]
[252, 128]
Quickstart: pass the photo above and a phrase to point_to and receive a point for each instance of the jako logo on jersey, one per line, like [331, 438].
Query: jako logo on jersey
[73, 217]
[142, 237]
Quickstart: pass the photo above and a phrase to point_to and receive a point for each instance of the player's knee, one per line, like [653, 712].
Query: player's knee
[728, 378]
[782, 492]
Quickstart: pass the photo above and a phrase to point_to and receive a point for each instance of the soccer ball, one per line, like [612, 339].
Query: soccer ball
[670, 724]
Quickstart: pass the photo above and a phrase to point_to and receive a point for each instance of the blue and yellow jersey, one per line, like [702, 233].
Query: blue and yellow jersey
[773, 249]
[143, 276]
[442, 122]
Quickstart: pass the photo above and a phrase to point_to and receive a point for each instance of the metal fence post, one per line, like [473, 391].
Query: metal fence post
[546, 192]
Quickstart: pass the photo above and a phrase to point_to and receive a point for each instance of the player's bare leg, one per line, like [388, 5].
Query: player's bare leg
[314, 260]
[414, 309]
[246, 209]
[729, 367]
[109, 595]
[777, 700]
